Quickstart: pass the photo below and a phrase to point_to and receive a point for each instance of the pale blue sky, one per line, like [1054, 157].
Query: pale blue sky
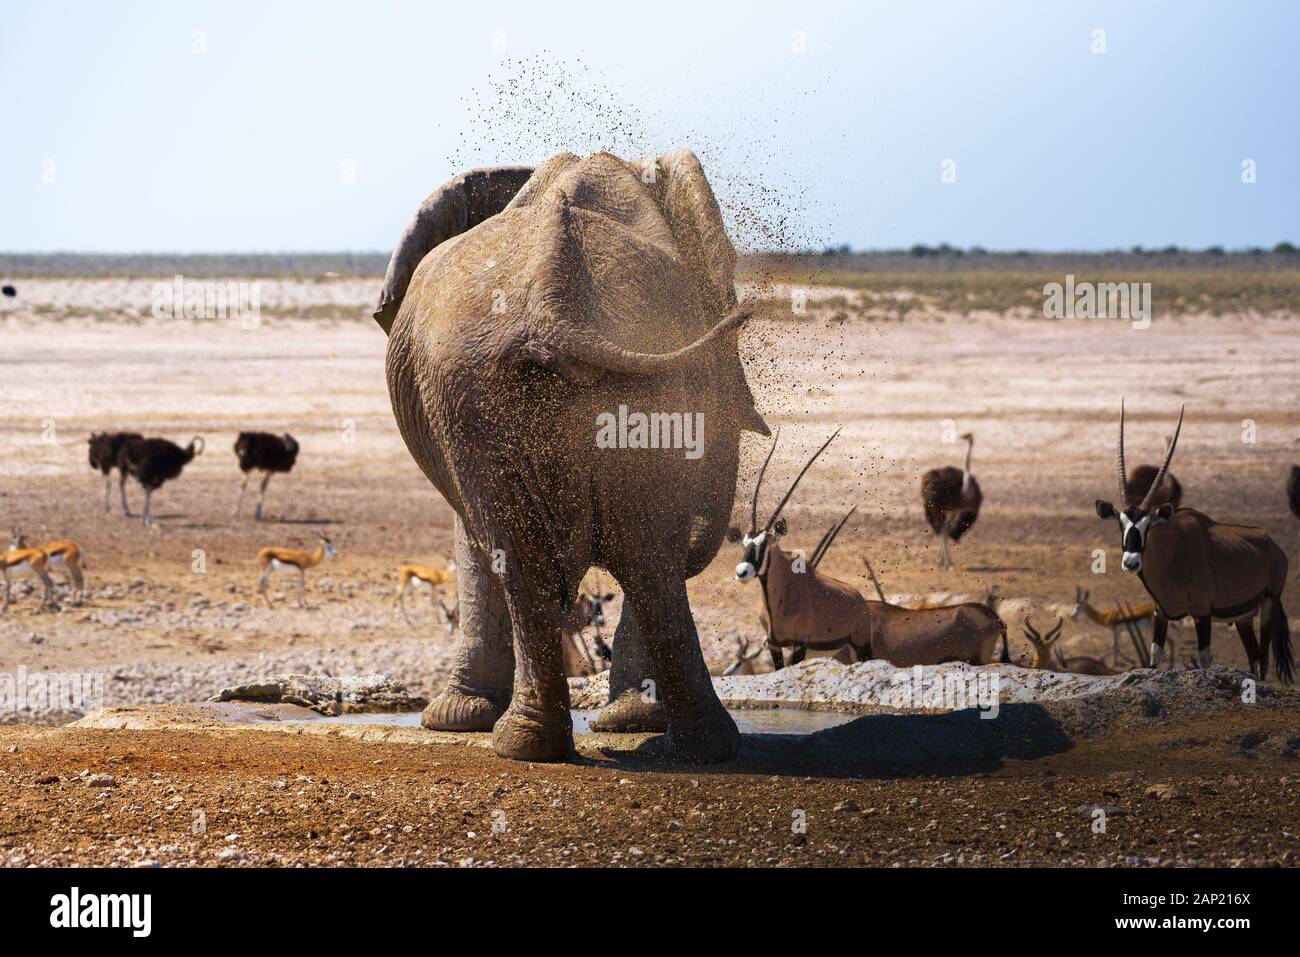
[247, 146]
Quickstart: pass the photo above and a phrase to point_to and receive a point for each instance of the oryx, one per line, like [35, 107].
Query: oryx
[1193, 565]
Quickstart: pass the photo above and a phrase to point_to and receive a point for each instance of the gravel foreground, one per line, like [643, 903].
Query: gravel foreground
[1216, 789]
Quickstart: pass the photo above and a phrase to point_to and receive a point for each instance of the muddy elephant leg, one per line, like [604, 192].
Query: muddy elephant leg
[800, 652]
[699, 728]
[634, 700]
[478, 690]
[537, 726]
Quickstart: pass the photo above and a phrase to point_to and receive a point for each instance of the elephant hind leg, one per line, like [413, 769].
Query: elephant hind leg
[634, 702]
[478, 689]
[537, 726]
[699, 728]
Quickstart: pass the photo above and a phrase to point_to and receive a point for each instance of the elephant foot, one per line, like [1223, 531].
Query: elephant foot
[708, 739]
[631, 711]
[522, 737]
[457, 710]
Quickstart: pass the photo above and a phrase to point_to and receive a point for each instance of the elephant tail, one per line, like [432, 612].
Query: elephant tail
[593, 350]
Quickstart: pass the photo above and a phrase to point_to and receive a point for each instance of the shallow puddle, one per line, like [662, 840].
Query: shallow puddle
[748, 720]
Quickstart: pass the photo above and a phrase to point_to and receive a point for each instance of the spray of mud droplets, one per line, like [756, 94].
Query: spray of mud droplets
[534, 107]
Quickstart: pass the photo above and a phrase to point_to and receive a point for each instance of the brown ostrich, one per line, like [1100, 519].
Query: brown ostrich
[106, 454]
[1139, 483]
[151, 462]
[952, 502]
[265, 453]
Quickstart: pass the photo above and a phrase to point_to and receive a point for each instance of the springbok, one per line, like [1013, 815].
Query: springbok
[742, 662]
[65, 554]
[1047, 657]
[805, 609]
[32, 560]
[422, 577]
[1193, 565]
[1141, 617]
[273, 559]
[587, 611]
[452, 615]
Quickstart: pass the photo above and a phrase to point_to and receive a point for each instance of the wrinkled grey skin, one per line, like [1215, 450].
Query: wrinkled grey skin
[526, 315]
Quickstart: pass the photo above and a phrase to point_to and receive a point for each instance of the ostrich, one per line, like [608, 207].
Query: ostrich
[106, 454]
[1139, 483]
[154, 461]
[266, 453]
[1293, 497]
[952, 502]
[9, 292]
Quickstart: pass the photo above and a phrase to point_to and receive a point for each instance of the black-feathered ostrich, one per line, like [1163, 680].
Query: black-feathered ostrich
[151, 462]
[265, 453]
[106, 454]
[9, 291]
[1293, 498]
[1139, 483]
[952, 502]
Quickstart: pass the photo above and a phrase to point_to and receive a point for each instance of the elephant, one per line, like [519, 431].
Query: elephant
[532, 314]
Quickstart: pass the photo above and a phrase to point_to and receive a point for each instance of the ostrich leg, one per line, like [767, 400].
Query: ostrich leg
[146, 517]
[479, 688]
[261, 497]
[108, 487]
[121, 487]
[239, 500]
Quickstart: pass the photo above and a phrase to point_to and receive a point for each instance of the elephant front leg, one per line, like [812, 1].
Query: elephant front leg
[634, 700]
[478, 690]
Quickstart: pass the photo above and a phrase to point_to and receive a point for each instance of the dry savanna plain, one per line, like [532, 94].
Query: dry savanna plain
[170, 614]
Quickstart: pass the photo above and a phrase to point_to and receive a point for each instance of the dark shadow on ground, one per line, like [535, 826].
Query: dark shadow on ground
[953, 744]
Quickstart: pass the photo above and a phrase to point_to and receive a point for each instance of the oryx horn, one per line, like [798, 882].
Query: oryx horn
[1119, 460]
[1164, 466]
[802, 472]
[758, 484]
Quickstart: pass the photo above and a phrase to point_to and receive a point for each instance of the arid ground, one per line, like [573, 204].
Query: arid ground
[171, 616]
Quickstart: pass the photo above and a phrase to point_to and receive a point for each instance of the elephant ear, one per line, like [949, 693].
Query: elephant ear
[679, 187]
[456, 206]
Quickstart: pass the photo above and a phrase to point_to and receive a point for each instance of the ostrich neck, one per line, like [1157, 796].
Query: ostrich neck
[965, 469]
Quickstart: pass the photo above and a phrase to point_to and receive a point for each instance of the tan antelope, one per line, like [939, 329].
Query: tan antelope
[742, 661]
[452, 615]
[273, 559]
[422, 577]
[587, 611]
[805, 609]
[1194, 566]
[65, 554]
[1047, 656]
[1121, 619]
[24, 559]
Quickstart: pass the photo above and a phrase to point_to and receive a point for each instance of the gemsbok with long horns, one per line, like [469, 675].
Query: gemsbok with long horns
[1194, 566]
[805, 609]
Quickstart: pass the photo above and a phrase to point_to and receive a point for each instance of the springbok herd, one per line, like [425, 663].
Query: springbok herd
[1191, 566]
